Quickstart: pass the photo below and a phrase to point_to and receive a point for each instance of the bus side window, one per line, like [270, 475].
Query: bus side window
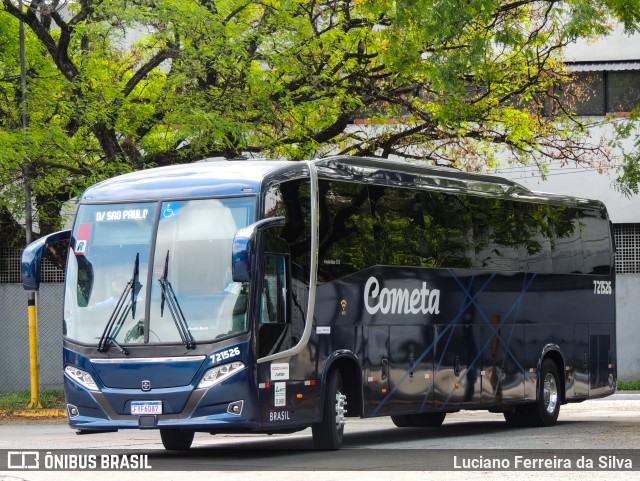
[566, 243]
[596, 244]
[274, 290]
[273, 333]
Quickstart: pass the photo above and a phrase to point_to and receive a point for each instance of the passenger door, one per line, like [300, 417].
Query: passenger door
[273, 327]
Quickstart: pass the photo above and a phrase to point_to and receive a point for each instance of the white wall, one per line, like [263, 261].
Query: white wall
[628, 332]
[616, 46]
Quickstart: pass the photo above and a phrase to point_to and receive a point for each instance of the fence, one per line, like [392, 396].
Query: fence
[14, 341]
[14, 325]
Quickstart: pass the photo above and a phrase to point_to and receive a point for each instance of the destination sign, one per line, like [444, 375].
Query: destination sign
[122, 214]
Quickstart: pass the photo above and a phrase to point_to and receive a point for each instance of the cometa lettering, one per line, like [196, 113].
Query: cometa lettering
[400, 301]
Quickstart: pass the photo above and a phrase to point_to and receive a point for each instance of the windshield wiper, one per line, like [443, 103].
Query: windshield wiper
[121, 311]
[169, 296]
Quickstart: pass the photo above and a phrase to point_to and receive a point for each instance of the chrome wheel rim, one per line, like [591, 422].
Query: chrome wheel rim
[550, 393]
[341, 411]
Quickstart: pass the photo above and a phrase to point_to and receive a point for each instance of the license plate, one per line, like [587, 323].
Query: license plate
[146, 407]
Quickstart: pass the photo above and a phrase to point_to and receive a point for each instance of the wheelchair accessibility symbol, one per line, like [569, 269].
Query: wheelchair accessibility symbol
[169, 210]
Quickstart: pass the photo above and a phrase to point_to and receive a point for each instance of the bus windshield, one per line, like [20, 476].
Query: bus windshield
[156, 272]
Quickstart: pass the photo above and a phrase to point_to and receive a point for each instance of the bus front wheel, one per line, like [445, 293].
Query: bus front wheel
[328, 433]
[176, 439]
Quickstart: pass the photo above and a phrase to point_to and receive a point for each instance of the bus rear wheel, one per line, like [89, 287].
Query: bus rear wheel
[428, 420]
[518, 417]
[176, 439]
[545, 411]
[328, 433]
[403, 421]
[422, 420]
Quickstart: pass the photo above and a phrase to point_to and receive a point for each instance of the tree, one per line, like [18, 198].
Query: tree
[629, 180]
[116, 85]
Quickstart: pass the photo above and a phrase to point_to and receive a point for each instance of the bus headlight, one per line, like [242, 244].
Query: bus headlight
[217, 374]
[81, 377]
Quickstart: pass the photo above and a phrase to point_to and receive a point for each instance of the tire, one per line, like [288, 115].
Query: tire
[176, 439]
[428, 420]
[403, 421]
[328, 433]
[518, 417]
[547, 406]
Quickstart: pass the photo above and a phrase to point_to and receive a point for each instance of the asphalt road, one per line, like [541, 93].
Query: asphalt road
[373, 448]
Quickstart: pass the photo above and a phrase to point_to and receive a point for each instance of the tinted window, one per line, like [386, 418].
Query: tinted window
[500, 233]
[448, 230]
[399, 227]
[544, 238]
[595, 242]
[361, 226]
[566, 244]
[346, 231]
[292, 200]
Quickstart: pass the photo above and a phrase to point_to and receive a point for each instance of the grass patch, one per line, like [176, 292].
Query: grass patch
[628, 385]
[50, 399]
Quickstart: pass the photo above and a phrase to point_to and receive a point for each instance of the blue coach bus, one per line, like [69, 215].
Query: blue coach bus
[273, 296]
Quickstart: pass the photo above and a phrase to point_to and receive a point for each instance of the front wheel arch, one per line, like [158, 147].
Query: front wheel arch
[347, 364]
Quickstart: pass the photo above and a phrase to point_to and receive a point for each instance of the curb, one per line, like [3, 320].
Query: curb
[34, 413]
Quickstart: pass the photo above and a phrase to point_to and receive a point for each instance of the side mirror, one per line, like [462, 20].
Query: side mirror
[244, 246]
[32, 258]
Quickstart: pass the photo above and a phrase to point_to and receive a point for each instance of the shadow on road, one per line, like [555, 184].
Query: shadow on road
[363, 450]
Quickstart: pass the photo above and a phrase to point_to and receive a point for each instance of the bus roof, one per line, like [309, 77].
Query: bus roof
[216, 177]
[410, 174]
[210, 177]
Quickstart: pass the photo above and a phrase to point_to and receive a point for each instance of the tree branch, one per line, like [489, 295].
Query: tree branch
[154, 62]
